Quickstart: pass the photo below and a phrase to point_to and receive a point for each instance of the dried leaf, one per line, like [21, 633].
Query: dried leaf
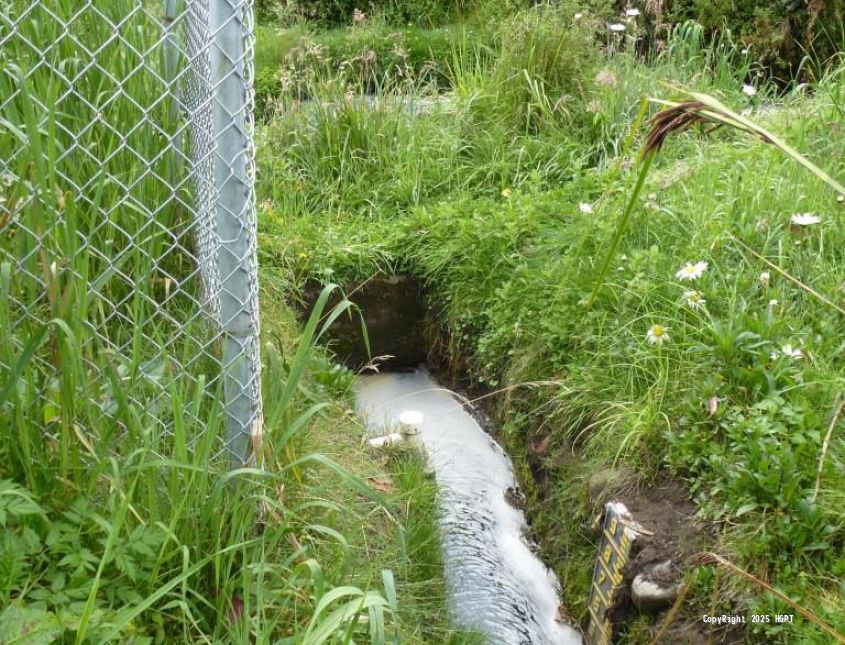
[712, 405]
[382, 484]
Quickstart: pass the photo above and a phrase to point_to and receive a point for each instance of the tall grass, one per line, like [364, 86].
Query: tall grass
[113, 528]
[412, 144]
[533, 102]
[510, 248]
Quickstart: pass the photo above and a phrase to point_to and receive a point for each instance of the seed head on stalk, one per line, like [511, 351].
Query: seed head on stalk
[677, 117]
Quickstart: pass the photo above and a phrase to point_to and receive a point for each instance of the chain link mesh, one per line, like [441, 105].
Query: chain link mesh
[127, 188]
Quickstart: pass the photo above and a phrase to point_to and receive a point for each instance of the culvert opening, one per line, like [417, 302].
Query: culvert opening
[393, 311]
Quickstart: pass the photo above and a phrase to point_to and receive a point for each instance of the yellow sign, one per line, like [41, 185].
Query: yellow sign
[614, 553]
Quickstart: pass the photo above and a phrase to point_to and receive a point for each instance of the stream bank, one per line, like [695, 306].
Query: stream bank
[404, 333]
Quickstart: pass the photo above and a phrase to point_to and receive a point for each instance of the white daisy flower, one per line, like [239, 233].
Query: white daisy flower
[773, 303]
[792, 352]
[657, 335]
[585, 208]
[805, 219]
[632, 12]
[764, 278]
[694, 299]
[749, 90]
[789, 351]
[691, 271]
[618, 27]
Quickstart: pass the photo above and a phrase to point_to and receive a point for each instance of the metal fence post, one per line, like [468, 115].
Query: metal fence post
[229, 21]
[144, 201]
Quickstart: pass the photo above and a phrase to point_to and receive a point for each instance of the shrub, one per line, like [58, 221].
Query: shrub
[777, 33]
[544, 56]
[333, 13]
[365, 57]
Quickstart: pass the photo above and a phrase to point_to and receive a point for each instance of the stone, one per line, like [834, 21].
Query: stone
[515, 497]
[655, 588]
[385, 440]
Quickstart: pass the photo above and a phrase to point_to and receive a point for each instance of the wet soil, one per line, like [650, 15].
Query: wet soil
[384, 329]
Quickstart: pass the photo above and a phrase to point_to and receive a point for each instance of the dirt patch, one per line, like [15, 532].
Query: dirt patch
[665, 510]
[692, 631]
[673, 533]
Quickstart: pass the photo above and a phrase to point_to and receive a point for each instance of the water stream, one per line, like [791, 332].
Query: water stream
[496, 584]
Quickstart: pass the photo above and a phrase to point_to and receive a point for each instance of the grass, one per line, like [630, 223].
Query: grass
[506, 210]
[121, 519]
[503, 197]
[364, 57]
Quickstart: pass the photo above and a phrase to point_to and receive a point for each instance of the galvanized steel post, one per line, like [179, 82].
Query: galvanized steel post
[228, 24]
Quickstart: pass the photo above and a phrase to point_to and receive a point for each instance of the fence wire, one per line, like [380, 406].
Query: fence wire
[127, 205]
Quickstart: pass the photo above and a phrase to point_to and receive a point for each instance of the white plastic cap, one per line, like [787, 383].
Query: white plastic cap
[411, 417]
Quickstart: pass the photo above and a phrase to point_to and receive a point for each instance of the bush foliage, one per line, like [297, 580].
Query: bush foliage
[333, 13]
[778, 33]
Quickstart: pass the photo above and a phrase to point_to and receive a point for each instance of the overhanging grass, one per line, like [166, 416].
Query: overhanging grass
[512, 271]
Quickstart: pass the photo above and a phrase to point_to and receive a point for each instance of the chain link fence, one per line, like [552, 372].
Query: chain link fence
[127, 206]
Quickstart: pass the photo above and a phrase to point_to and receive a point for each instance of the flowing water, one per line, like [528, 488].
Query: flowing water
[496, 584]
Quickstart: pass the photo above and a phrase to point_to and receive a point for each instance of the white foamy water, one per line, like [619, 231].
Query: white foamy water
[495, 582]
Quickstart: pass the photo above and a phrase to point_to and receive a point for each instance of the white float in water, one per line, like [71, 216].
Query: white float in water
[496, 584]
[409, 422]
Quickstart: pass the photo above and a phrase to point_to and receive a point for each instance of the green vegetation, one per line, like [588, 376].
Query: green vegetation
[111, 529]
[366, 58]
[781, 36]
[708, 355]
[331, 13]
[492, 158]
